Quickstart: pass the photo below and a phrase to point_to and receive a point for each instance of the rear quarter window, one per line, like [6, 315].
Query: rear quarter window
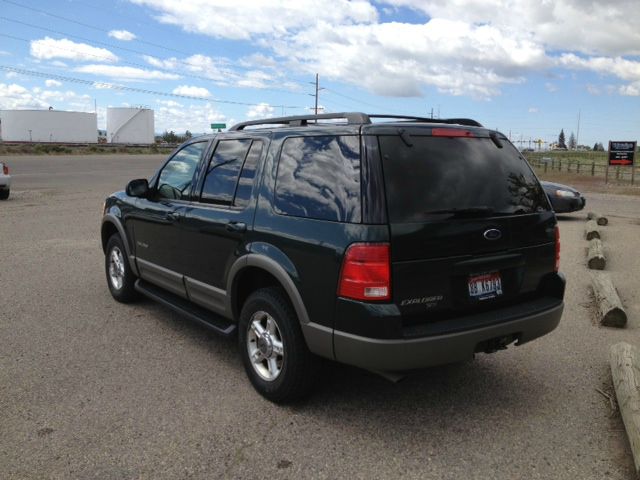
[319, 177]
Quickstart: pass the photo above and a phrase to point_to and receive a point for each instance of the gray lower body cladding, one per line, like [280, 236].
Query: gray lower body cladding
[407, 354]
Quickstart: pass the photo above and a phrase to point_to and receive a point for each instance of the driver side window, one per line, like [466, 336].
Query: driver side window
[176, 176]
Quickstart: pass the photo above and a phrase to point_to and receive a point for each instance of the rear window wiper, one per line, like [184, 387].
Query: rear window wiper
[463, 211]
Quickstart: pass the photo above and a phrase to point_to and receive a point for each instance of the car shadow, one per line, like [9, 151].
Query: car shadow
[482, 389]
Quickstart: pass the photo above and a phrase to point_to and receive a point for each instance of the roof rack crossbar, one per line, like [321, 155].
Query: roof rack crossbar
[352, 118]
[453, 121]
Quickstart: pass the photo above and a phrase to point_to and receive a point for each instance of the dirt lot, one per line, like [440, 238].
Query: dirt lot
[90, 388]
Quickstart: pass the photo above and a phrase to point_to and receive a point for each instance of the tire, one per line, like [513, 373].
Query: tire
[4, 194]
[279, 377]
[120, 278]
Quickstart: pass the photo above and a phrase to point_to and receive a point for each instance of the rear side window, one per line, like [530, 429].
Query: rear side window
[319, 177]
[247, 175]
[224, 168]
[437, 175]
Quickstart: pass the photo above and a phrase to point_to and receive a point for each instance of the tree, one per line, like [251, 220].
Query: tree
[561, 143]
[187, 135]
[170, 137]
[595, 147]
[572, 142]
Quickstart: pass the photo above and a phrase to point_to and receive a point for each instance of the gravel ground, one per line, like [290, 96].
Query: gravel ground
[90, 388]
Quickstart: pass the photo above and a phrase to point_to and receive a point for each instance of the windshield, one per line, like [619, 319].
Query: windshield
[456, 176]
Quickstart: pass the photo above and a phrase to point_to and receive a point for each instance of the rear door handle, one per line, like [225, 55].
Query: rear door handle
[238, 227]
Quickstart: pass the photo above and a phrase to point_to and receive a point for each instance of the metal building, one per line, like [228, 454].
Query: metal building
[130, 125]
[48, 126]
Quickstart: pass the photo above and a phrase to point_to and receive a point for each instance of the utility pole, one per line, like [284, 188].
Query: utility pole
[432, 113]
[578, 134]
[318, 88]
[316, 108]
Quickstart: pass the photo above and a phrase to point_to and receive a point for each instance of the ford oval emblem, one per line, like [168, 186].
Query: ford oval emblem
[493, 234]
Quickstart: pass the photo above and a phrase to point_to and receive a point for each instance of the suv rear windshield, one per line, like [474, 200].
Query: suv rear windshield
[458, 176]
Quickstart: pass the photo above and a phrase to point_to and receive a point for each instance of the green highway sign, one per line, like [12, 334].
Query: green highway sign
[218, 126]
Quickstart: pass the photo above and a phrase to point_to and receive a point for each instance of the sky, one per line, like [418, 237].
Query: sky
[528, 69]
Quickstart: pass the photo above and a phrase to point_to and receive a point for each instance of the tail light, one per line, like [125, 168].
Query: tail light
[366, 272]
[5, 169]
[557, 234]
[451, 132]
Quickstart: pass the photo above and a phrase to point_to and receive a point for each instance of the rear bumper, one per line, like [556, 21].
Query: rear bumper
[407, 354]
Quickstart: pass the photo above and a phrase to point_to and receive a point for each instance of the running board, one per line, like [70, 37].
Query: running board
[193, 312]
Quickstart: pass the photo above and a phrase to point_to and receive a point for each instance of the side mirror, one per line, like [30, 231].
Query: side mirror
[138, 188]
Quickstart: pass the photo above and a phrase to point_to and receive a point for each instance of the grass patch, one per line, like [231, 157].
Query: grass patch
[7, 149]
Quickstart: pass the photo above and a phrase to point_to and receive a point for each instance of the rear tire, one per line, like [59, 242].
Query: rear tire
[120, 278]
[275, 355]
[4, 194]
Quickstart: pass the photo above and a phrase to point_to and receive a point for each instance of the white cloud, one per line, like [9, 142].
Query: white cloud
[122, 35]
[11, 75]
[551, 88]
[243, 20]
[14, 96]
[398, 59]
[263, 110]
[631, 90]
[627, 70]
[533, 109]
[202, 65]
[620, 67]
[126, 73]
[169, 103]
[574, 25]
[255, 79]
[464, 47]
[48, 48]
[52, 83]
[192, 91]
[195, 118]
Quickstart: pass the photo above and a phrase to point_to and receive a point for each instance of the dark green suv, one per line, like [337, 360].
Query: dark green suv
[389, 243]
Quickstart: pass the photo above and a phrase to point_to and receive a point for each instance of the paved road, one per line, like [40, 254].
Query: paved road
[90, 388]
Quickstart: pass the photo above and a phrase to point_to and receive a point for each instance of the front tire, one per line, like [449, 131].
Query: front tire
[120, 278]
[275, 355]
[4, 194]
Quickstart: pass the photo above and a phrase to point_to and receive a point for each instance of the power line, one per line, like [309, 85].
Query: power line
[139, 65]
[146, 54]
[183, 74]
[66, 19]
[357, 100]
[113, 86]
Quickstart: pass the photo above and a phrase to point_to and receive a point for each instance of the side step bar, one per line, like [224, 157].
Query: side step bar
[193, 312]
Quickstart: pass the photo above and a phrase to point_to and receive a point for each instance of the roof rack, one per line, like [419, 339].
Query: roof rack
[350, 118]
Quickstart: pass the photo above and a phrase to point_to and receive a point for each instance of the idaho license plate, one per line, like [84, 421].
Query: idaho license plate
[485, 286]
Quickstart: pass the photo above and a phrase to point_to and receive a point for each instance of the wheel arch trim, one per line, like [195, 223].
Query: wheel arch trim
[115, 221]
[318, 337]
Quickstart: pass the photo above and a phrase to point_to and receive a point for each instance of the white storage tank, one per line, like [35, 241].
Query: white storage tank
[48, 126]
[130, 125]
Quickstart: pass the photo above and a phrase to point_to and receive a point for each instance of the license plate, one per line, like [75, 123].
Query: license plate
[485, 286]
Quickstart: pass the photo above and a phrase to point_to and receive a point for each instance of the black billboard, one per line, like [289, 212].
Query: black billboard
[621, 153]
